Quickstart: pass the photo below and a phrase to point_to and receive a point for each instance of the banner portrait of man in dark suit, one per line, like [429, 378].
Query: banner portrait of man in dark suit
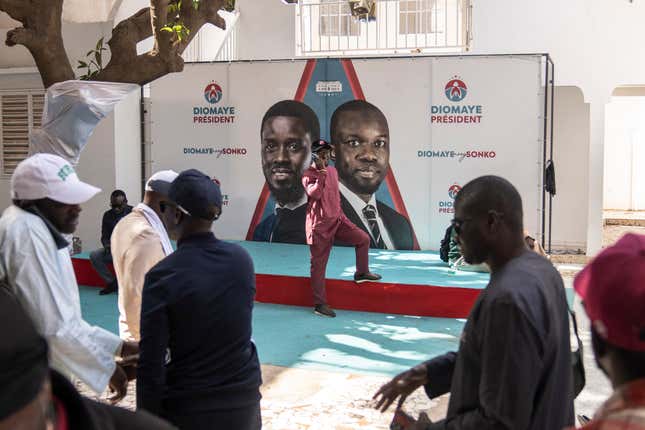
[361, 140]
[287, 130]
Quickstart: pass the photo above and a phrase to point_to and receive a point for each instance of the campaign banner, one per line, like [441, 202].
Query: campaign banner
[407, 134]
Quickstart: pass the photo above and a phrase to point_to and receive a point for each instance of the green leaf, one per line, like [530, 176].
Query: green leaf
[99, 44]
[81, 64]
[99, 59]
[172, 8]
[89, 53]
[166, 28]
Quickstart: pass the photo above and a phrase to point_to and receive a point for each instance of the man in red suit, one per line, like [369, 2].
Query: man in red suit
[325, 222]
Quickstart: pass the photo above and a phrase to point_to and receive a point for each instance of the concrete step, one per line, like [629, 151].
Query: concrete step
[628, 222]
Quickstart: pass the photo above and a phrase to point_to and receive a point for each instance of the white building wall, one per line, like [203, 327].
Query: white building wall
[97, 167]
[267, 29]
[625, 154]
[127, 147]
[571, 143]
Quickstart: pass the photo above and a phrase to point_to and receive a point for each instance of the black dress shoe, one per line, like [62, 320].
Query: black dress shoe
[109, 289]
[365, 277]
[324, 311]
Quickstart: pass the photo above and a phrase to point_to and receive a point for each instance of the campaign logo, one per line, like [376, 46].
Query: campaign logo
[448, 206]
[213, 93]
[456, 90]
[211, 114]
[457, 113]
[453, 191]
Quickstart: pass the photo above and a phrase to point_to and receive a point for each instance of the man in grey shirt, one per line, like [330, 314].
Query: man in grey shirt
[513, 367]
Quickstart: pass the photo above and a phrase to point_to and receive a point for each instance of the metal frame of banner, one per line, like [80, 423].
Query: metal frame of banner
[549, 82]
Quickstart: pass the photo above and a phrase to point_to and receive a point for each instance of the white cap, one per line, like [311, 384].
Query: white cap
[160, 181]
[49, 176]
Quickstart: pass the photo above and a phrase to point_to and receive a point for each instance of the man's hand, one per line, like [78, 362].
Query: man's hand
[130, 352]
[118, 385]
[130, 371]
[401, 386]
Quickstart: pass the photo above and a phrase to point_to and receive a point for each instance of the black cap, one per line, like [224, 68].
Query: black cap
[194, 193]
[319, 146]
[23, 356]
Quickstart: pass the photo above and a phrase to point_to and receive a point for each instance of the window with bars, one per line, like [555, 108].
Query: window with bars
[416, 16]
[19, 114]
[336, 19]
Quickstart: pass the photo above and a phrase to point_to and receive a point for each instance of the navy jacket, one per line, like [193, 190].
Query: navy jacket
[110, 219]
[196, 352]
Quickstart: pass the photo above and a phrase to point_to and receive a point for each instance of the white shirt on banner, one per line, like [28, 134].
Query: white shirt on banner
[358, 205]
[292, 205]
[42, 278]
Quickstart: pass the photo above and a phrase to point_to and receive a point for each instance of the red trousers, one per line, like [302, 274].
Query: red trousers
[345, 232]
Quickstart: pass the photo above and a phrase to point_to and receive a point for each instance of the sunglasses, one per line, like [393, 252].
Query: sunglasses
[164, 205]
[457, 224]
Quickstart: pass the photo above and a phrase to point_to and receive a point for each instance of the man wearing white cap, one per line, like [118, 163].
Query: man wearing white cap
[36, 266]
[139, 241]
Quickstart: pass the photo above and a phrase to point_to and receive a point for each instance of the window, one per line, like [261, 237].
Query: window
[416, 16]
[336, 19]
[342, 27]
[19, 113]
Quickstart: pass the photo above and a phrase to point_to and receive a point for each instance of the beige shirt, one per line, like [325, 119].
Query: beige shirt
[136, 248]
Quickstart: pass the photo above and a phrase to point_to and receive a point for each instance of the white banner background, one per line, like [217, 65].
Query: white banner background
[508, 89]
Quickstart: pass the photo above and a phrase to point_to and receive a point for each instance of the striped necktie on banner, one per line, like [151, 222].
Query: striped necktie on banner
[369, 212]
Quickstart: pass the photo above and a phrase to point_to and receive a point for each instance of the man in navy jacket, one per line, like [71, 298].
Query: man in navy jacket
[198, 367]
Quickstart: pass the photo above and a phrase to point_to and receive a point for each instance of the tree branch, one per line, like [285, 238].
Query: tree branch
[127, 34]
[165, 57]
[16, 9]
[41, 34]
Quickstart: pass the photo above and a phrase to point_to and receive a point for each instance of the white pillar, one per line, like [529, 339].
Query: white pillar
[596, 173]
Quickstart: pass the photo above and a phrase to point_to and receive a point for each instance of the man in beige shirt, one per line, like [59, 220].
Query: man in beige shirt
[139, 241]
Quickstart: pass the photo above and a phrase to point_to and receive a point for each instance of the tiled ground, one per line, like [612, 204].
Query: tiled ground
[297, 398]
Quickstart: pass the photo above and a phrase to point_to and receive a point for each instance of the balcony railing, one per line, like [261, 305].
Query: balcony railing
[213, 44]
[333, 27]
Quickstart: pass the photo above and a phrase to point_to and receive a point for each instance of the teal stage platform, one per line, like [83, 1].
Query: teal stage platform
[353, 342]
[414, 282]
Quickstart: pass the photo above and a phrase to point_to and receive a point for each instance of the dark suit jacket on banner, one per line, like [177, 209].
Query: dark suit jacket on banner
[288, 226]
[397, 225]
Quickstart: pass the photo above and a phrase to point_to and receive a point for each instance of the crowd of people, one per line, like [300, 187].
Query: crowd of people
[185, 315]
